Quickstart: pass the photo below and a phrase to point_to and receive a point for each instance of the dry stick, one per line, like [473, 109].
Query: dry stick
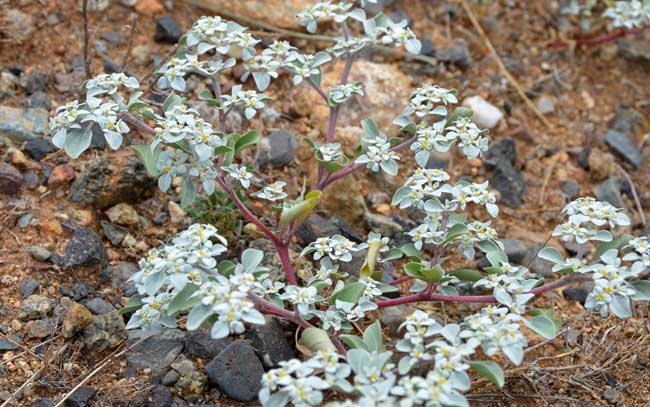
[23, 347]
[547, 176]
[37, 374]
[502, 67]
[106, 361]
[84, 12]
[639, 208]
[134, 23]
[295, 34]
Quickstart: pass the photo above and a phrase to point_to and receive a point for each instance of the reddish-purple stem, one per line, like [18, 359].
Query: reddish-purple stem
[283, 252]
[423, 296]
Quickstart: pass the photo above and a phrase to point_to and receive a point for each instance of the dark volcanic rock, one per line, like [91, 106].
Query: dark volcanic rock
[85, 248]
[510, 183]
[37, 148]
[157, 352]
[500, 151]
[81, 397]
[622, 146]
[200, 344]
[107, 182]
[10, 179]
[576, 294]
[270, 343]
[277, 149]
[237, 370]
[167, 30]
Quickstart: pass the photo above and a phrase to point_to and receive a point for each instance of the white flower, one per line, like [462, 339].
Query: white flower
[340, 93]
[272, 192]
[240, 174]
[629, 14]
[250, 100]
[323, 9]
[330, 152]
[380, 157]
[302, 297]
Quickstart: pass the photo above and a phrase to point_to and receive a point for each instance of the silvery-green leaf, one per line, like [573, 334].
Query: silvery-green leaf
[251, 258]
[490, 370]
[422, 158]
[642, 289]
[188, 192]
[620, 306]
[372, 336]
[219, 330]
[262, 80]
[389, 167]
[551, 254]
[197, 316]
[78, 141]
[514, 353]
[542, 325]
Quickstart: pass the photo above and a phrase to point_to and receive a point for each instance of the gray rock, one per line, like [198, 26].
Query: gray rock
[270, 343]
[17, 25]
[98, 306]
[313, 227]
[112, 37]
[121, 272]
[34, 307]
[628, 121]
[6, 345]
[24, 220]
[576, 294]
[157, 352]
[39, 100]
[107, 331]
[114, 233]
[40, 328]
[516, 250]
[501, 150]
[456, 54]
[19, 125]
[392, 318]
[383, 224]
[199, 344]
[637, 50]
[167, 30]
[85, 248]
[170, 378]
[81, 290]
[35, 81]
[161, 396]
[622, 146]
[37, 148]
[28, 286]
[10, 179]
[43, 402]
[276, 149]
[570, 190]
[612, 396]
[237, 370]
[610, 191]
[7, 84]
[545, 104]
[510, 183]
[81, 397]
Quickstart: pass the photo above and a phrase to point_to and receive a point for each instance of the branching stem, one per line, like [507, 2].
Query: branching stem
[424, 296]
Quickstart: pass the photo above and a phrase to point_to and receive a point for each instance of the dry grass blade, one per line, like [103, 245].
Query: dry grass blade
[502, 67]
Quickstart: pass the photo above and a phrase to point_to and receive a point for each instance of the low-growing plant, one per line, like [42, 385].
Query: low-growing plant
[183, 277]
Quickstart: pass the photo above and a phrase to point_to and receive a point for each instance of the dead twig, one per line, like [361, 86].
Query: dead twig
[37, 374]
[637, 201]
[99, 367]
[547, 176]
[86, 38]
[134, 24]
[502, 67]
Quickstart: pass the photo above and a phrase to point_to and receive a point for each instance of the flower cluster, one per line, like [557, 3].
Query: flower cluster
[71, 127]
[629, 14]
[341, 93]
[321, 10]
[186, 266]
[336, 247]
[586, 215]
[611, 291]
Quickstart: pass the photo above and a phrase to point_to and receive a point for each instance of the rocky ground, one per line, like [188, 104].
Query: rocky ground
[72, 231]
